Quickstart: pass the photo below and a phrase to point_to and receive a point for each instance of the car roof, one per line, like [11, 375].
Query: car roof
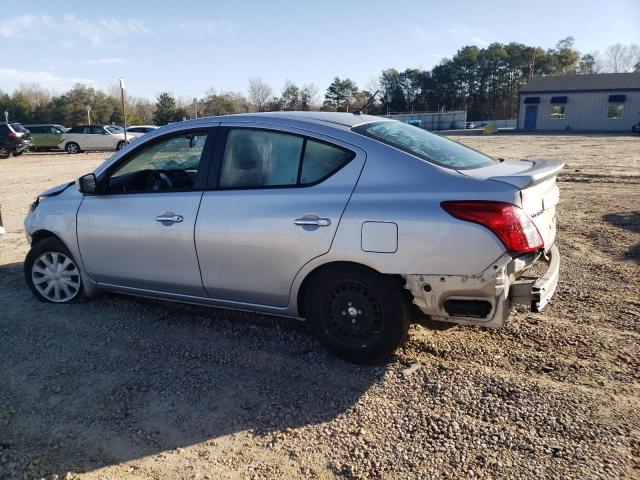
[336, 119]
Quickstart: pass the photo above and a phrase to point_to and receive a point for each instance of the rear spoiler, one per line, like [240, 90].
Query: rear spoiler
[541, 170]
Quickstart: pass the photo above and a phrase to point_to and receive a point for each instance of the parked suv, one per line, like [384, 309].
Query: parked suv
[14, 139]
[46, 136]
[91, 137]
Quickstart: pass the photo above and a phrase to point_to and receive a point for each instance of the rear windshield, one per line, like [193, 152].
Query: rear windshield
[18, 128]
[427, 146]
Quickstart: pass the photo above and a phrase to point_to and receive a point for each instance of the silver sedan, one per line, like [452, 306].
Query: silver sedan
[349, 221]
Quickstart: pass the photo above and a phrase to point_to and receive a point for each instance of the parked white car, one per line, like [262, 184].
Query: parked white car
[91, 137]
[139, 130]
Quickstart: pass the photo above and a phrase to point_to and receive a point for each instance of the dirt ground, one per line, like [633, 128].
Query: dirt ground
[121, 387]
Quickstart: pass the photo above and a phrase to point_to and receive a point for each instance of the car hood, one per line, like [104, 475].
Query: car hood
[52, 192]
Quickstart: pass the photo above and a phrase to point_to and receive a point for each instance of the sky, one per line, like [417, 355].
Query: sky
[188, 47]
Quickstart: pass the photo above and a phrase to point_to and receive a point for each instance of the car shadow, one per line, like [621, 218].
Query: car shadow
[119, 378]
[629, 221]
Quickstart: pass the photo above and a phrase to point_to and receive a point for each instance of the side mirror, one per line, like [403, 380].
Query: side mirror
[87, 184]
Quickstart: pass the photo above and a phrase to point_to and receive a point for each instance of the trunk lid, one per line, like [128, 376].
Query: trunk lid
[539, 194]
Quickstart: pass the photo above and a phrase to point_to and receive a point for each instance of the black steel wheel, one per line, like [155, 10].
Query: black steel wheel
[356, 313]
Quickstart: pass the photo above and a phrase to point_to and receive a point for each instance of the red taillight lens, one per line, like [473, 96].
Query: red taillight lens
[12, 134]
[508, 222]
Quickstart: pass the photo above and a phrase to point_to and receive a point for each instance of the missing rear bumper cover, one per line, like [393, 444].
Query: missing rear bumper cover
[485, 299]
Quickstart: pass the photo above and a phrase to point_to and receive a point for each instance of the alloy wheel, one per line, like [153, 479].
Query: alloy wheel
[56, 277]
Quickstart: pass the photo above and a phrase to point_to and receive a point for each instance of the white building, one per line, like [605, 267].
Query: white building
[600, 102]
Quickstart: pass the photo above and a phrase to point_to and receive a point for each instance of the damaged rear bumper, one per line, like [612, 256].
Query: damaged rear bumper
[486, 299]
[537, 292]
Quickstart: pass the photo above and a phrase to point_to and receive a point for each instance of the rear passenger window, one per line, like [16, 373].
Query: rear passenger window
[260, 158]
[321, 160]
[263, 158]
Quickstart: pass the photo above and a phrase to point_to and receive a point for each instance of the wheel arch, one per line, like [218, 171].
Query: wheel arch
[40, 235]
[91, 289]
[336, 264]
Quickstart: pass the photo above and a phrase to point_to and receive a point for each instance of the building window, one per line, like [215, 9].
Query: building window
[615, 111]
[557, 111]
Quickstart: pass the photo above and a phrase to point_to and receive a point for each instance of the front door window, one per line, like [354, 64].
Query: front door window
[169, 165]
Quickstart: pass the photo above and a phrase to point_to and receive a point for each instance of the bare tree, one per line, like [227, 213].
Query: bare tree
[621, 58]
[35, 94]
[312, 93]
[144, 108]
[259, 93]
[634, 55]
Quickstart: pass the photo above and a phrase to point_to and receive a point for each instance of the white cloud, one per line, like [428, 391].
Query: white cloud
[103, 61]
[419, 33]
[12, 77]
[203, 27]
[466, 33]
[71, 28]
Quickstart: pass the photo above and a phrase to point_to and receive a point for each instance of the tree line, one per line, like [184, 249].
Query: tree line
[482, 81]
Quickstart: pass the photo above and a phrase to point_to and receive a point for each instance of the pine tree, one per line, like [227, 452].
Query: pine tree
[165, 109]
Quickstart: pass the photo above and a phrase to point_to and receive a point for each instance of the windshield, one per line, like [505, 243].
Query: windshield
[427, 146]
[114, 129]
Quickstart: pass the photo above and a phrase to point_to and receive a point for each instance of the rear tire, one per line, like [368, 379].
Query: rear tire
[356, 313]
[52, 274]
[5, 151]
[72, 148]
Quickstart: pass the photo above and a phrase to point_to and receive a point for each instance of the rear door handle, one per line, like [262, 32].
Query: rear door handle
[169, 218]
[313, 221]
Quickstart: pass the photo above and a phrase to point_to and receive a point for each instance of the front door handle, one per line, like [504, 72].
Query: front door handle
[169, 218]
[312, 221]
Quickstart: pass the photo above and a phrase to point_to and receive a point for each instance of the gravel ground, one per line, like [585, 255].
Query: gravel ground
[120, 387]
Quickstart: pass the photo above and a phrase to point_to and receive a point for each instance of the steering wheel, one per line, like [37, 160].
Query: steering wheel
[159, 180]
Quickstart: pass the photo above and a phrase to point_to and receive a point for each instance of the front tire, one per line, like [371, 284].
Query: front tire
[121, 144]
[5, 151]
[356, 313]
[52, 273]
[72, 148]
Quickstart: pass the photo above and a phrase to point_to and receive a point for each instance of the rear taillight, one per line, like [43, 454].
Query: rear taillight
[12, 134]
[508, 222]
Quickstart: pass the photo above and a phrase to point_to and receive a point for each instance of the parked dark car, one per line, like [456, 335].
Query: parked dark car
[14, 139]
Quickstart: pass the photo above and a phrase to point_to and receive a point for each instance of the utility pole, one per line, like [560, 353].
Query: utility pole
[6, 116]
[124, 113]
[533, 64]
[195, 107]
[88, 107]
